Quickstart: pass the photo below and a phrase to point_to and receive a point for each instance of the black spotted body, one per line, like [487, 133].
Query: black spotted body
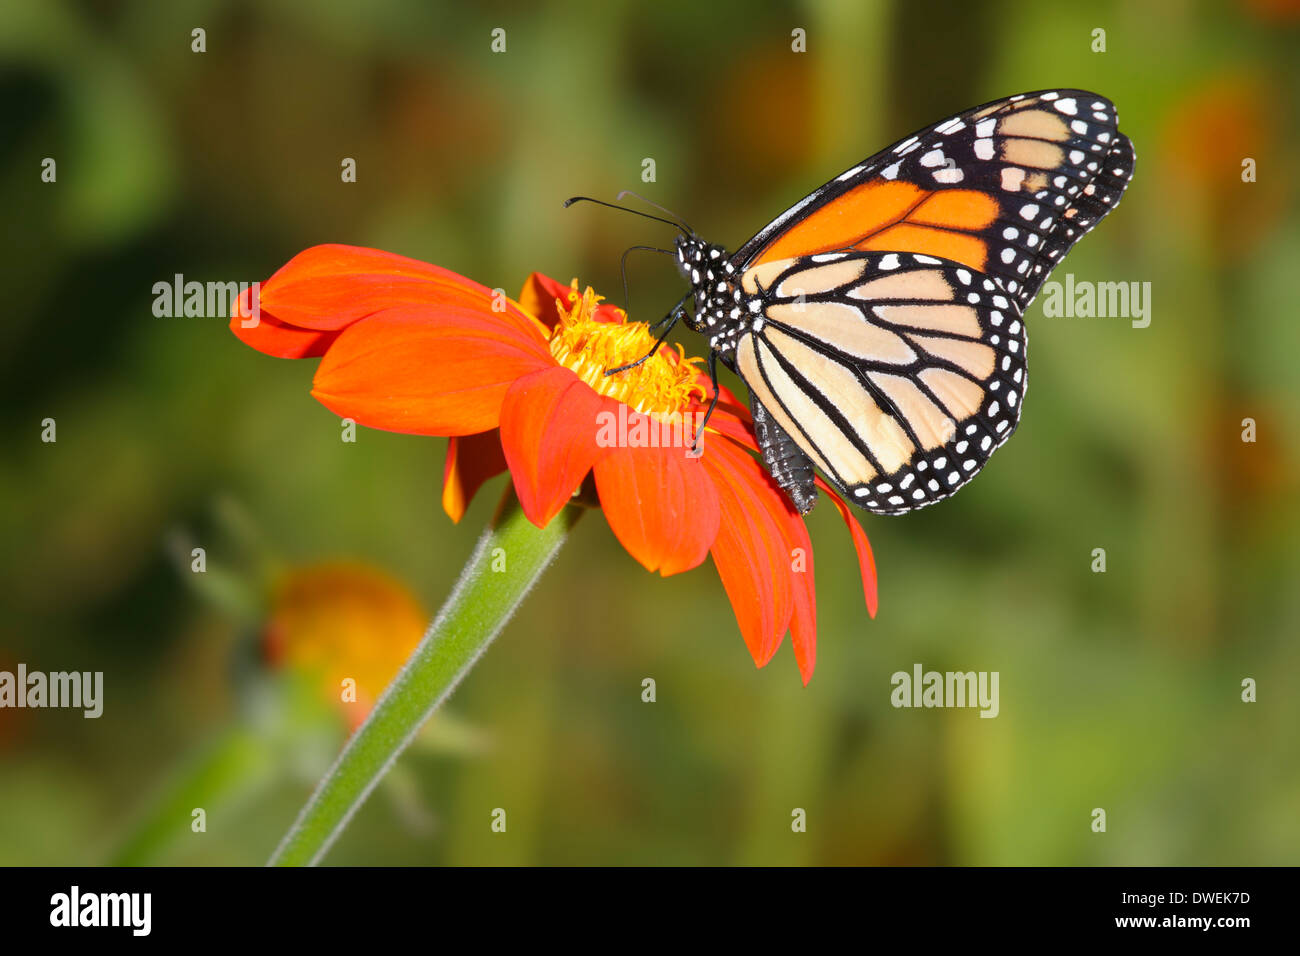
[723, 312]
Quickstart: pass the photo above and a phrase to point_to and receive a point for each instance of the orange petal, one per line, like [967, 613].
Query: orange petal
[803, 629]
[330, 287]
[540, 292]
[273, 337]
[750, 550]
[608, 312]
[661, 505]
[725, 396]
[799, 553]
[549, 421]
[731, 417]
[866, 562]
[409, 370]
[471, 460]
[803, 619]
[538, 296]
[734, 422]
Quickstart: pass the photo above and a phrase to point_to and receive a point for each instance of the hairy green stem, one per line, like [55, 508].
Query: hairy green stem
[509, 558]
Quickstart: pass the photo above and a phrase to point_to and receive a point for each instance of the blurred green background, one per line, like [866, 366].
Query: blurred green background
[1119, 690]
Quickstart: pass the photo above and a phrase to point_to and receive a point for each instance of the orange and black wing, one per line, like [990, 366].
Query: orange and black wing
[897, 374]
[1004, 189]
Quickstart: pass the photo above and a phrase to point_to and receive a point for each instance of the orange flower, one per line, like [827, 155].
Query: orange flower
[1277, 11]
[521, 385]
[1208, 134]
[341, 621]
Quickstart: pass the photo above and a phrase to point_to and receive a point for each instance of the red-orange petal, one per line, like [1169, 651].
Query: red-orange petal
[538, 296]
[471, 460]
[540, 292]
[799, 553]
[734, 422]
[661, 505]
[548, 433]
[750, 550]
[803, 619]
[273, 337]
[331, 286]
[427, 372]
[866, 561]
[726, 397]
[803, 629]
[731, 417]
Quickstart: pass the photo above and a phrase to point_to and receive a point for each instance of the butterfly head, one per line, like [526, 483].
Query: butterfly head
[713, 278]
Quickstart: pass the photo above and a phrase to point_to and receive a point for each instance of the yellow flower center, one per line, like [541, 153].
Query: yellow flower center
[662, 385]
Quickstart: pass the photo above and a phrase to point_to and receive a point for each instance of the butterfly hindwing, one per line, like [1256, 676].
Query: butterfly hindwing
[897, 374]
[1004, 189]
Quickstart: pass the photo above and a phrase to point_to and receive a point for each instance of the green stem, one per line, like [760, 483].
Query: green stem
[235, 767]
[509, 558]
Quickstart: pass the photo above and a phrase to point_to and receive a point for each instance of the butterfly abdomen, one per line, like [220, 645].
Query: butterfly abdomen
[789, 466]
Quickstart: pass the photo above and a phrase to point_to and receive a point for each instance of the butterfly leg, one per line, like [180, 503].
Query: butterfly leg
[713, 403]
[675, 313]
[792, 469]
[671, 319]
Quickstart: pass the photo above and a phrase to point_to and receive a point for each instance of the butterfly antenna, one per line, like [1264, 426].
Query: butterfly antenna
[636, 212]
[667, 212]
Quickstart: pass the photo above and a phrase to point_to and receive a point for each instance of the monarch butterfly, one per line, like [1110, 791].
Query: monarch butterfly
[878, 322]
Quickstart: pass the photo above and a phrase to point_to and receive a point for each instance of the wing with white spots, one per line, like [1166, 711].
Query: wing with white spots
[1005, 189]
[898, 374]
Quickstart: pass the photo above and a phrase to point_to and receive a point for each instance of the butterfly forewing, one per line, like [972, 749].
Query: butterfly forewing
[1004, 189]
[897, 373]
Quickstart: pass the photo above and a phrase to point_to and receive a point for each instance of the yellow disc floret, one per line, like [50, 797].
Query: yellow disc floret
[662, 385]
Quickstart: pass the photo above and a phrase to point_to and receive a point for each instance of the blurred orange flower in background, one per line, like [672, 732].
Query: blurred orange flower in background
[1276, 11]
[1208, 136]
[343, 621]
[522, 386]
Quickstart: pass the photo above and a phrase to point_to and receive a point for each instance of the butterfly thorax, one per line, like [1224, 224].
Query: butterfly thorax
[722, 310]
